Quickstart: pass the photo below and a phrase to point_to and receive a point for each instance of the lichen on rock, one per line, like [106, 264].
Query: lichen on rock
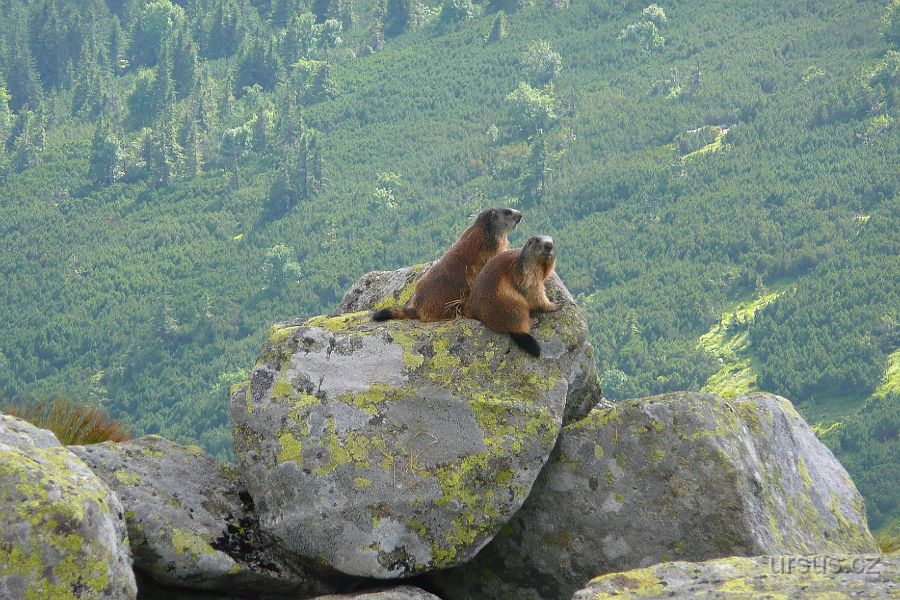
[680, 476]
[392, 449]
[787, 576]
[190, 522]
[62, 531]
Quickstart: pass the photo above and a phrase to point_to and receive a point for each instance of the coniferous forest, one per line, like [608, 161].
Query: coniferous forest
[721, 179]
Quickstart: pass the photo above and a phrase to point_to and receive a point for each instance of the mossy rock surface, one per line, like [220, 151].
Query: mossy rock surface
[189, 521]
[62, 531]
[683, 476]
[391, 449]
[801, 577]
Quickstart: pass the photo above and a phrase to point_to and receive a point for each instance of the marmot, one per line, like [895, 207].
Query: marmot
[510, 286]
[441, 293]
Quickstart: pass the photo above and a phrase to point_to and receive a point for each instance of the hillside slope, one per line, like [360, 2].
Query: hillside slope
[159, 209]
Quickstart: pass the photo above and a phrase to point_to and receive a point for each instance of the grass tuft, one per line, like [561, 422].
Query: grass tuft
[71, 421]
[888, 542]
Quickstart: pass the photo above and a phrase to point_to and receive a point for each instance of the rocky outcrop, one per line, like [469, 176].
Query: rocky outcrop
[386, 289]
[392, 449]
[62, 532]
[798, 577]
[680, 476]
[189, 521]
[404, 592]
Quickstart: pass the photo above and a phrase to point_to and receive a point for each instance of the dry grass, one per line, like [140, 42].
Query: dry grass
[888, 542]
[71, 421]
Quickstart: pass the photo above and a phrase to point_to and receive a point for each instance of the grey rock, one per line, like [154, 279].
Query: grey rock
[680, 476]
[800, 577]
[62, 531]
[387, 289]
[391, 449]
[189, 521]
[382, 289]
[404, 592]
[21, 434]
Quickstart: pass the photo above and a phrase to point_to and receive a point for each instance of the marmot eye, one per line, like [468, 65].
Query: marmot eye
[507, 211]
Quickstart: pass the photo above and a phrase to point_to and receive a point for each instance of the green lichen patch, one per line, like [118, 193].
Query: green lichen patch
[128, 477]
[339, 323]
[187, 541]
[61, 505]
[403, 297]
[291, 449]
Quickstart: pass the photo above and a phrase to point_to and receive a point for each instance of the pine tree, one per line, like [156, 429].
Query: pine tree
[107, 163]
[22, 79]
[192, 145]
[163, 86]
[321, 87]
[316, 182]
[117, 60]
[185, 61]
[396, 17]
[498, 28]
[30, 142]
[342, 11]
[86, 96]
[47, 41]
[261, 129]
[166, 155]
[534, 176]
[6, 125]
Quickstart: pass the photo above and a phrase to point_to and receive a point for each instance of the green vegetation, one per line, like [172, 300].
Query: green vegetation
[175, 177]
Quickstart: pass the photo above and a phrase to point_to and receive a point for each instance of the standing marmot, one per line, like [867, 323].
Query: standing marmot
[510, 286]
[442, 291]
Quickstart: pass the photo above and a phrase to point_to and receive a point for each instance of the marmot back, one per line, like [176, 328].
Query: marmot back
[442, 291]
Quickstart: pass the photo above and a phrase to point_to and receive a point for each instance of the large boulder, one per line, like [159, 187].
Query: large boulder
[799, 577]
[680, 476]
[391, 449]
[386, 289]
[62, 532]
[189, 521]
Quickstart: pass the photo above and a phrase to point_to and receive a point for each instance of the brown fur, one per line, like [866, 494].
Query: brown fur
[442, 291]
[511, 285]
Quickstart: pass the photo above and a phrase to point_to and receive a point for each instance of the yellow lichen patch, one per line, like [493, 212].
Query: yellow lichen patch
[278, 334]
[640, 582]
[412, 359]
[187, 541]
[369, 399]
[738, 585]
[804, 473]
[406, 294]
[298, 409]
[291, 449]
[44, 491]
[443, 360]
[283, 391]
[362, 482]
[340, 322]
[354, 447]
[128, 477]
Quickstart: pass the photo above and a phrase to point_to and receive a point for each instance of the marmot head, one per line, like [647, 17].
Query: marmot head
[499, 221]
[540, 247]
